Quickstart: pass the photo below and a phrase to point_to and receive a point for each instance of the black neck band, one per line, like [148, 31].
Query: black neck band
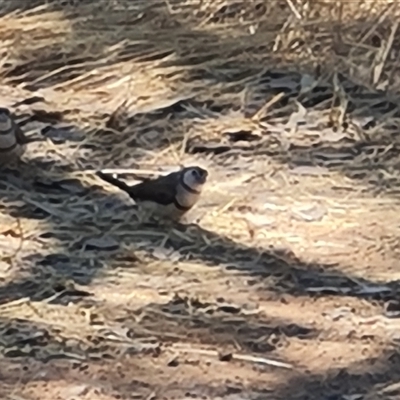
[186, 187]
[7, 149]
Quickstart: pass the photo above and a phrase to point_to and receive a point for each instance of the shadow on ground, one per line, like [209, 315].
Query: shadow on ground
[370, 378]
[363, 144]
[41, 354]
[88, 233]
[44, 352]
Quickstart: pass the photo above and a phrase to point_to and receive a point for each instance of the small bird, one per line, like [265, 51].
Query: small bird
[170, 195]
[12, 139]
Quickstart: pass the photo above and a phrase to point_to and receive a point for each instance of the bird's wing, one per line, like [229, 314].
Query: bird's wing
[161, 190]
[113, 181]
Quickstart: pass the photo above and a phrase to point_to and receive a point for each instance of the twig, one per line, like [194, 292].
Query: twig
[225, 207]
[261, 360]
[15, 303]
[239, 357]
[118, 171]
[21, 242]
[383, 15]
[383, 53]
[262, 111]
[45, 208]
[15, 397]
[294, 9]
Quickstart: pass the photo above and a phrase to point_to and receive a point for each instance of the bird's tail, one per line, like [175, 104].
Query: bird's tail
[114, 181]
[30, 139]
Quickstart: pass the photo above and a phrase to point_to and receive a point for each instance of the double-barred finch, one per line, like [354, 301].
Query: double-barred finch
[12, 140]
[170, 195]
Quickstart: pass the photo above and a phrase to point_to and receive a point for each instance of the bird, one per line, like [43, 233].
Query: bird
[170, 196]
[13, 141]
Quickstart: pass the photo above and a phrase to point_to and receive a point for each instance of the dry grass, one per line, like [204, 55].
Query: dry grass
[292, 255]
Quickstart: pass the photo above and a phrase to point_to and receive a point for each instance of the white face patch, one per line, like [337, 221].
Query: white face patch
[184, 197]
[190, 180]
[5, 125]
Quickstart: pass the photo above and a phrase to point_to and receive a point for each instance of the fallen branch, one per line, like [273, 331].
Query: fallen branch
[233, 356]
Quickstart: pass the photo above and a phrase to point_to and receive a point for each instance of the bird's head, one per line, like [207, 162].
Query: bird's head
[195, 177]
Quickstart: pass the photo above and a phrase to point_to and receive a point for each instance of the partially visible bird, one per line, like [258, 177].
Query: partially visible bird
[170, 196]
[13, 141]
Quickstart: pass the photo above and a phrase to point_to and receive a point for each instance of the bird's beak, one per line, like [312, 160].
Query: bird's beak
[203, 174]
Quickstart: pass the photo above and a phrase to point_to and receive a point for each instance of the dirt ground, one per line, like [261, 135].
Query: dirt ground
[283, 283]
